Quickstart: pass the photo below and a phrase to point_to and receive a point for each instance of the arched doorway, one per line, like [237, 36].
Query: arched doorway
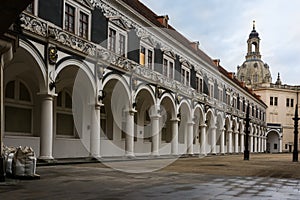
[273, 142]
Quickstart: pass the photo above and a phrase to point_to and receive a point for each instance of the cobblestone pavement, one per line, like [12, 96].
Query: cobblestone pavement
[95, 181]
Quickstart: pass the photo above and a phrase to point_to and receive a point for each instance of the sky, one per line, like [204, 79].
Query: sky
[223, 26]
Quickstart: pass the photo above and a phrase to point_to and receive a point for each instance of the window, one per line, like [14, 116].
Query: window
[18, 109]
[70, 18]
[117, 40]
[77, 19]
[287, 102]
[199, 84]
[65, 126]
[220, 94]
[275, 101]
[292, 103]
[168, 67]
[112, 37]
[271, 101]
[84, 25]
[146, 56]
[275, 146]
[185, 75]
[211, 90]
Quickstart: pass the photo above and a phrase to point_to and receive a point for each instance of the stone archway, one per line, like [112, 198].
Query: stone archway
[273, 142]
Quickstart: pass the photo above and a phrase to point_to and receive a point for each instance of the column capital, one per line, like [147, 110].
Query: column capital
[203, 125]
[157, 116]
[190, 123]
[175, 120]
[47, 95]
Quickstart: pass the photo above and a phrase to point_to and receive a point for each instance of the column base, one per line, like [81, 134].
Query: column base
[46, 159]
[130, 155]
[155, 154]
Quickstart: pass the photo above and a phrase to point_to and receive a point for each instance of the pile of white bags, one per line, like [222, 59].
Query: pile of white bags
[20, 162]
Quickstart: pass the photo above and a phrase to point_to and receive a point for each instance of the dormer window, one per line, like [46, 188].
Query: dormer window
[185, 75]
[77, 19]
[146, 55]
[117, 39]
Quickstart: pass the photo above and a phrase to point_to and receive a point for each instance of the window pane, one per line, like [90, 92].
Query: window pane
[68, 100]
[112, 40]
[142, 55]
[165, 67]
[59, 100]
[171, 70]
[24, 93]
[292, 102]
[64, 124]
[70, 18]
[83, 25]
[122, 45]
[17, 119]
[150, 58]
[10, 90]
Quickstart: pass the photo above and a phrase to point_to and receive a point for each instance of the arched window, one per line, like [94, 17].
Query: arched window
[65, 126]
[18, 109]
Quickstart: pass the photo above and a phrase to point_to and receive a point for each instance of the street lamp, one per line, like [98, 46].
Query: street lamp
[296, 119]
[247, 131]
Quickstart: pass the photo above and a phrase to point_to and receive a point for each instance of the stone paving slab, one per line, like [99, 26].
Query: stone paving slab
[96, 181]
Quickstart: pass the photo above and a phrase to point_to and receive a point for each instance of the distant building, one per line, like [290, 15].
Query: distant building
[280, 98]
[104, 78]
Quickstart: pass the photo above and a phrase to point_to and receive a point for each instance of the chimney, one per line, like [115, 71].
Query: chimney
[163, 20]
[217, 62]
[231, 75]
[195, 45]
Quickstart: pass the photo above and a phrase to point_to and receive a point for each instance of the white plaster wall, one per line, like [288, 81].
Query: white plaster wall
[69, 148]
[16, 141]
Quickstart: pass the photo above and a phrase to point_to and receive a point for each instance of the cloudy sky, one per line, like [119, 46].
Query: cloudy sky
[223, 26]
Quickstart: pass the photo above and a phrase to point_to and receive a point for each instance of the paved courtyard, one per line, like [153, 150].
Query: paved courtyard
[265, 176]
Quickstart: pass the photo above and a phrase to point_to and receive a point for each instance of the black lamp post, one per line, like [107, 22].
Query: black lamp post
[296, 119]
[247, 131]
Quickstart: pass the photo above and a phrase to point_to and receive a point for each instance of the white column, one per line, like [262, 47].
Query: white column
[190, 137]
[46, 137]
[255, 144]
[174, 143]
[222, 141]
[236, 144]
[95, 133]
[129, 142]
[203, 139]
[251, 144]
[280, 145]
[259, 144]
[265, 144]
[155, 135]
[213, 140]
[230, 141]
[242, 142]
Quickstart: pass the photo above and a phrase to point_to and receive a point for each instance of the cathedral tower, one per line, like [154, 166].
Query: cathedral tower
[254, 72]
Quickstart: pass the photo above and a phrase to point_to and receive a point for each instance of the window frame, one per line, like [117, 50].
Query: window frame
[78, 10]
[168, 73]
[16, 102]
[186, 75]
[119, 31]
[65, 111]
[147, 48]
[199, 80]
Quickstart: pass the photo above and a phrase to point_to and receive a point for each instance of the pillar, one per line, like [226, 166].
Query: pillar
[174, 143]
[236, 144]
[213, 140]
[155, 135]
[95, 133]
[190, 137]
[129, 142]
[222, 141]
[203, 139]
[255, 144]
[229, 141]
[259, 144]
[251, 144]
[242, 142]
[46, 137]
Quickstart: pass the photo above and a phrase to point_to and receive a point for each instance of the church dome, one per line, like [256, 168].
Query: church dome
[254, 71]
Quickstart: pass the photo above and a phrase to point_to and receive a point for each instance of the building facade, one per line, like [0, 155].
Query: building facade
[106, 78]
[280, 98]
